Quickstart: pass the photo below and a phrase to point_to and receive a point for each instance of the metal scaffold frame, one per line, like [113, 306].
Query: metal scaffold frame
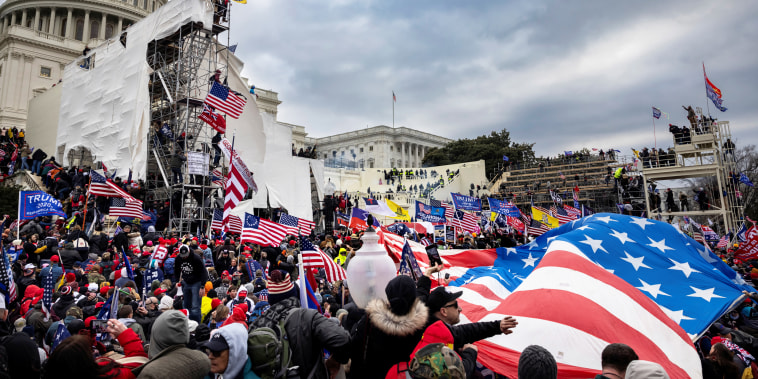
[183, 66]
[704, 155]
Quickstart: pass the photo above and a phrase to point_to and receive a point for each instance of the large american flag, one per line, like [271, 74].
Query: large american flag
[102, 186]
[122, 208]
[217, 223]
[261, 231]
[223, 100]
[218, 178]
[296, 225]
[312, 257]
[236, 188]
[625, 257]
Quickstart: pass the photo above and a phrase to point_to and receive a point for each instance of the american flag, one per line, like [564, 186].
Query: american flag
[235, 224]
[218, 220]
[723, 242]
[236, 188]
[465, 221]
[435, 203]
[47, 295]
[313, 257]
[561, 214]
[101, 186]
[6, 279]
[261, 231]
[296, 225]
[534, 227]
[572, 211]
[122, 208]
[222, 99]
[689, 284]
[218, 178]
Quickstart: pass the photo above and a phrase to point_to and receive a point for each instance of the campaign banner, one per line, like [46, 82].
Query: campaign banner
[503, 207]
[38, 203]
[197, 163]
[226, 146]
[749, 249]
[428, 213]
[466, 203]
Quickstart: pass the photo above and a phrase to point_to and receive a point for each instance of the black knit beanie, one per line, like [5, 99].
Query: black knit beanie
[401, 294]
[537, 363]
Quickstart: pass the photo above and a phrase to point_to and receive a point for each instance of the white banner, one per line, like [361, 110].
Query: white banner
[247, 175]
[197, 163]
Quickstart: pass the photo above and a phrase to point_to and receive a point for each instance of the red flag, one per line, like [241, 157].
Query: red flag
[749, 249]
[212, 118]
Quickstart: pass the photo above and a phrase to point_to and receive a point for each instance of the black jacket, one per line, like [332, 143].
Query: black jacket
[191, 269]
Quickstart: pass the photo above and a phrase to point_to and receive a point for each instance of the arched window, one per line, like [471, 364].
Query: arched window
[94, 29]
[79, 30]
[108, 31]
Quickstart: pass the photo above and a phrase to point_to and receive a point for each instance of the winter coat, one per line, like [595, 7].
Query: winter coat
[380, 328]
[169, 356]
[133, 352]
[62, 305]
[135, 326]
[98, 243]
[69, 257]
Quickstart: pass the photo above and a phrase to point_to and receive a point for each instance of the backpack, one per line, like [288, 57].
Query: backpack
[269, 350]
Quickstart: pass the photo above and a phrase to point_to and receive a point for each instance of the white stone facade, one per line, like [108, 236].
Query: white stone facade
[375, 147]
[37, 41]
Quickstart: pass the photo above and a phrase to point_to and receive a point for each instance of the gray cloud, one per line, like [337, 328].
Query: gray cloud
[562, 74]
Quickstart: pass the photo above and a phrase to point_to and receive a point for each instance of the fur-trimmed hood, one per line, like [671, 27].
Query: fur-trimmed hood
[382, 317]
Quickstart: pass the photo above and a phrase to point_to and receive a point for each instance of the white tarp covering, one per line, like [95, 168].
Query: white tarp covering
[106, 109]
[282, 178]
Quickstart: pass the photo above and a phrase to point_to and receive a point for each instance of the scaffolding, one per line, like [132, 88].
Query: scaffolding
[706, 153]
[184, 65]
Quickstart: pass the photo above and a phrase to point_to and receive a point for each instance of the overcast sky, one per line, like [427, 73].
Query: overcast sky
[562, 74]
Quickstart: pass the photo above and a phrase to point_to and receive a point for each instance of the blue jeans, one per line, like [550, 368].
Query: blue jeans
[192, 299]
[24, 165]
[36, 166]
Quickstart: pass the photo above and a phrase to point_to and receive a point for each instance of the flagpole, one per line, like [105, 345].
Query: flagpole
[18, 219]
[393, 109]
[655, 139]
[84, 222]
[705, 83]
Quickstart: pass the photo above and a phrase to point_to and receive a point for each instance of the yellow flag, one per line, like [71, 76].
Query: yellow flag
[545, 218]
[400, 213]
[241, 1]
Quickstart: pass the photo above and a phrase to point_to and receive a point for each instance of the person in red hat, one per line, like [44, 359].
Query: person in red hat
[54, 267]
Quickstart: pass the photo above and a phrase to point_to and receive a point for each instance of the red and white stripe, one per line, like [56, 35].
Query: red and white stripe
[235, 224]
[561, 218]
[574, 287]
[269, 233]
[130, 209]
[723, 242]
[305, 226]
[572, 211]
[319, 259]
[236, 188]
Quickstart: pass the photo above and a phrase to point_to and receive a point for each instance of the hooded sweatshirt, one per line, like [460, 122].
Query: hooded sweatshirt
[171, 328]
[235, 335]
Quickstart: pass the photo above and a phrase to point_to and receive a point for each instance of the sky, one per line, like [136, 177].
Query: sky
[560, 74]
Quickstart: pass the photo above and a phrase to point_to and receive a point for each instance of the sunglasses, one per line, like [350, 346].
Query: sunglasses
[454, 305]
[212, 353]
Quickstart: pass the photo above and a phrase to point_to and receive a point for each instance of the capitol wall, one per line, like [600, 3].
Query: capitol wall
[38, 38]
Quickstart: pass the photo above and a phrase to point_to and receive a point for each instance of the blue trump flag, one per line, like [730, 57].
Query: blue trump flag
[691, 284]
[408, 263]
[466, 203]
[128, 265]
[38, 203]
[503, 207]
[60, 334]
[429, 213]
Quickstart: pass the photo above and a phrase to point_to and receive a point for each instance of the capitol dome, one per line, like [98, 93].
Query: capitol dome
[40, 37]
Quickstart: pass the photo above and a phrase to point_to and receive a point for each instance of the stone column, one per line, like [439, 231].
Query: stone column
[5, 24]
[23, 17]
[120, 25]
[36, 19]
[85, 35]
[69, 23]
[51, 29]
[13, 18]
[102, 27]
